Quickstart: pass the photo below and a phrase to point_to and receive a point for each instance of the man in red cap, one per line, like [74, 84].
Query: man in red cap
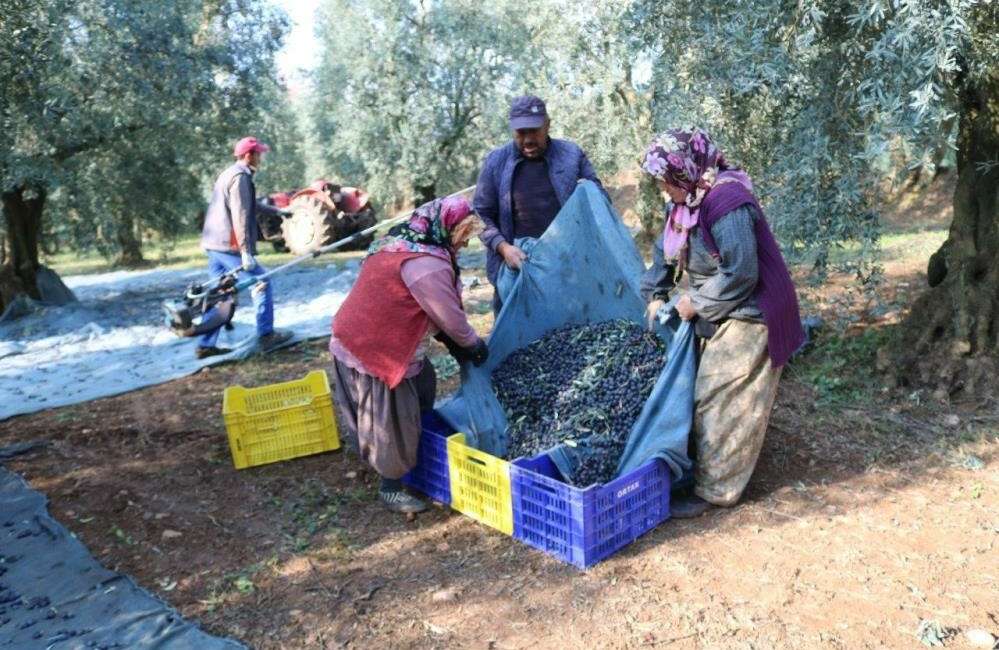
[230, 240]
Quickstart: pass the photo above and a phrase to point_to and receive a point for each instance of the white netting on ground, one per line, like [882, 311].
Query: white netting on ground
[113, 340]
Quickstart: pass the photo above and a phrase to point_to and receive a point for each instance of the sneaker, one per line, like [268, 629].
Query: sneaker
[204, 353]
[401, 501]
[274, 339]
[689, 507]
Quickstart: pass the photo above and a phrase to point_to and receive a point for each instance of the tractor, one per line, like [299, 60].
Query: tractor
[304, 221]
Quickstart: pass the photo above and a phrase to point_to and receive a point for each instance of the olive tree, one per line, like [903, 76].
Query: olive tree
[813, 96]
[284, 167]
[586, 72]
[763, 82]
[410, 95]
[116, 111]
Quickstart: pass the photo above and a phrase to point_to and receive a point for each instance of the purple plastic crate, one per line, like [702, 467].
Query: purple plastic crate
[585, 526]
[431, 475]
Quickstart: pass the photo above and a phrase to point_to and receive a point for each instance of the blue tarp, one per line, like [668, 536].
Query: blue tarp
[54, 594]
[584, 269]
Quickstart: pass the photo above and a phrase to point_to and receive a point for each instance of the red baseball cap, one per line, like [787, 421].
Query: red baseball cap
[248, 144]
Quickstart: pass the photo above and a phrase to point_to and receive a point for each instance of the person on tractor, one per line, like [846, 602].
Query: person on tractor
[229, 238]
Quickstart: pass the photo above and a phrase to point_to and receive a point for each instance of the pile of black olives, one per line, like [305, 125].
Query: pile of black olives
[582, 385]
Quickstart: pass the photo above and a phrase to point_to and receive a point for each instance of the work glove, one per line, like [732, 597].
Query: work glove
[459, 353]
[477, 354]
[249, 263]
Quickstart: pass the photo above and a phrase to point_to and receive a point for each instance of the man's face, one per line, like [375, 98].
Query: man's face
[532, 143]
[254, 159]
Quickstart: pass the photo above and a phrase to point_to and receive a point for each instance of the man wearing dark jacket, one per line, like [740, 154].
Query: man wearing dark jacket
[229, 237]
[524, 184]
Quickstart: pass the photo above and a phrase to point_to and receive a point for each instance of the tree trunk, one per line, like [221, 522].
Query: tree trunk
[951, 338]
[22, 210]
[129, 244]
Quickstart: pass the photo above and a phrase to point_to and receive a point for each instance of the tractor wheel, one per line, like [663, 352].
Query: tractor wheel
[310, 227]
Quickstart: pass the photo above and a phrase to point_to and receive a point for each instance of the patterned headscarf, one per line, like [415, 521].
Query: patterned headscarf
[687, 159]
[427, 231]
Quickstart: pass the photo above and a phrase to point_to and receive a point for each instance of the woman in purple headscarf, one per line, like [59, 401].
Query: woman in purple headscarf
[740, 297]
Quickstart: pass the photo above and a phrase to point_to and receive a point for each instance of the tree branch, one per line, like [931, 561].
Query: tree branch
[65, 153]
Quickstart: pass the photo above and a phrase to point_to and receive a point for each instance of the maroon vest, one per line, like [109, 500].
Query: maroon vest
[380, 322]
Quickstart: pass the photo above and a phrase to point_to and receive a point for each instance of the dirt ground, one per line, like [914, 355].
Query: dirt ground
[873, 509]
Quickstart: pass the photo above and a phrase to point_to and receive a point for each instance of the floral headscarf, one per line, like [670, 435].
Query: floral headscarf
[687, 159]
[427, 231]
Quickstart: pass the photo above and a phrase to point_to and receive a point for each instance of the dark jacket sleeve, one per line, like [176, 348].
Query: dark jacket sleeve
[241, 211]
[738, 269]
[486, 204]
[266, 209]
[660, 278]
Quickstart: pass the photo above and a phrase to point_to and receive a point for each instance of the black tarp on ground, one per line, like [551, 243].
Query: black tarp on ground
[55, 595]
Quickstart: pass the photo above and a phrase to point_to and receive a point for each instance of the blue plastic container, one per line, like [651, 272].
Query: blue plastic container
[431, 475]
[585, 526]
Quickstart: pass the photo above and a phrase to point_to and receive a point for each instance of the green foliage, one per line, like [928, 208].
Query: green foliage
[812, 97]
[734, 70]
[839, 367]
[819, 101]
[649, 206]
[410, 95]
[586, 71]
[129, 107]
[445, 366]
[283, 168]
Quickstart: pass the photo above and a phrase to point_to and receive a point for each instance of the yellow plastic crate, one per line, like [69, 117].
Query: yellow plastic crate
[280, 421]
[480, 485]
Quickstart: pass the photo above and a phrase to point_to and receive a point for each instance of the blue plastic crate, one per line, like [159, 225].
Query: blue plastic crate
[431, 475]
[585, 526]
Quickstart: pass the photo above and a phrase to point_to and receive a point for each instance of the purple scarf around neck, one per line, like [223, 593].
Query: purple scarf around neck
[774, 292]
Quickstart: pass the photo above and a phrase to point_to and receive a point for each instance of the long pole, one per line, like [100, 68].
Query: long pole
[249, 281]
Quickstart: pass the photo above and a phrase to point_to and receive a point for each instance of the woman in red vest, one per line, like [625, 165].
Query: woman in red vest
[408, 290]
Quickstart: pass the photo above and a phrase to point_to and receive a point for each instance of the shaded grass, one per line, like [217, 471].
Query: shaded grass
[183, 253]
[186, 253]
[896, 246]
[921, 244]
[841, 369]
